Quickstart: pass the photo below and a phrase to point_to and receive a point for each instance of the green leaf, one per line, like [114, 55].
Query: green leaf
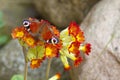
[36, 52]
[41, 51]
[1, 21]
[66, 39]
[31, 53]
[17, 77]
[22, 43]
[3, 39]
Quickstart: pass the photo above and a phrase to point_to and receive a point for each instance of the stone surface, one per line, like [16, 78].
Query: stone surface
[12, 62]
[61, 12]
[102, 28]
[15, 11]
[9, 56]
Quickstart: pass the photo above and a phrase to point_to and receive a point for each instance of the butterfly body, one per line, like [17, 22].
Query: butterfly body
[41, 30]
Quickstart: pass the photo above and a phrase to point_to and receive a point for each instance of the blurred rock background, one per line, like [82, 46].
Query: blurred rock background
[62, 12]
[102, 29]
[58, 12]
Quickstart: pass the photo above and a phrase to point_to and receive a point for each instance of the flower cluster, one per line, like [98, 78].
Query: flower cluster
[73, 45]
[21, 34]
[42, 40]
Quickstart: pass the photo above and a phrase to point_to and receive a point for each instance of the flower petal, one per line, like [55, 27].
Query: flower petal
[29, 40]
[86, 48]
[80, 37]
[35, 63]
[18, 32]
[51, 50]
[77, 61]
[73, 28]
[74, 48]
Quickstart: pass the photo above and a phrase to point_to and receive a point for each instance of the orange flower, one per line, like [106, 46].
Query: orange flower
[73, 29]
[74, 48]
[29, 40]
[51, 50]
[77, 61]
[35, 63]
[80, 37]
[86, 48]
[18, 32]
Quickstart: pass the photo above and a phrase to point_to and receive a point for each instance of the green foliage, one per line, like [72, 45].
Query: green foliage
[37, 52]
[17, 77]
[1, 20]
[3, 39]
[66, 40]
[4, 35]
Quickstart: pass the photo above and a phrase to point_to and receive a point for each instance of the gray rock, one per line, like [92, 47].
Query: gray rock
[61, 12]
[15, 11]
[12, 62]
[102, 28]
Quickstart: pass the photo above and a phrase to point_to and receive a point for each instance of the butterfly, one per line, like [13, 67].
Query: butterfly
[42, 30]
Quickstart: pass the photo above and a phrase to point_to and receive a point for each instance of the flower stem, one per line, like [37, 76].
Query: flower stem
[48, 68]
[25, 71]
[25, 66]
